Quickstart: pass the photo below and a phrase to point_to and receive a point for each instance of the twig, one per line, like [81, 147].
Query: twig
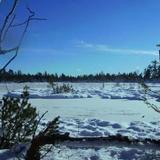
[38, 123]
[16, 49]
[10, 60]
[7, 19]
[48, 150]
[32, 19]
[9, 26]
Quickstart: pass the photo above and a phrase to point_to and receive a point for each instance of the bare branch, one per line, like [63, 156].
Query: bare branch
[30, 11]
[47, 151]
[146, 90]
[10, 60]
[32, 19]
[2, 52]
[49, 126]
[26, 23]
[38, 123]
[154, 107]
[7, 19]
[7, 29]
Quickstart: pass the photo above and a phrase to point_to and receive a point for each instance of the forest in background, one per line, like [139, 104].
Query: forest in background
[151, 73]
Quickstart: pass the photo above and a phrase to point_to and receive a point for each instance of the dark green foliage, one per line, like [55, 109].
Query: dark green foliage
[18, 120]
[152, 72]
[64, 88]
[19, 123]
[45, 77]
[52, 85]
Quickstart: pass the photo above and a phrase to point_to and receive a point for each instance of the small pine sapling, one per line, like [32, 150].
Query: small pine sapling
[18, 120]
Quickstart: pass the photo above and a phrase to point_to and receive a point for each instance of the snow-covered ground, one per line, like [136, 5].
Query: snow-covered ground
[108, 152]
[94, 110]
[129, 91]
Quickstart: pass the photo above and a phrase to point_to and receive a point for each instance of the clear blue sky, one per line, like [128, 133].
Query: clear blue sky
[89, 36]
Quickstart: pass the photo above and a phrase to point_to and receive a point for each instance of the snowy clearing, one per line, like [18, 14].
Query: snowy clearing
[128, 91]
[92, 111]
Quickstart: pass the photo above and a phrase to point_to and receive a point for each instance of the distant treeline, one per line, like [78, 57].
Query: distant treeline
[151, 73]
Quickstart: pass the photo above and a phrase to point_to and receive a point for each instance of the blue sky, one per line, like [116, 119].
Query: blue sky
[89, 36]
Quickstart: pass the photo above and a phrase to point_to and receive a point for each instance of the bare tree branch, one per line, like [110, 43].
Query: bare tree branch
[7, 19]
[6, 27]
[39, 123]
[47, 151]
[10, 60]
[2, 52]
[32, 19]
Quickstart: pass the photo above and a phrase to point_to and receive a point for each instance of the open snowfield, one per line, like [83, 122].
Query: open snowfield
[93, 110]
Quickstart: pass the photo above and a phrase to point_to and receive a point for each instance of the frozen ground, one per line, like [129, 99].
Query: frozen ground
[108, 152]
[96, 152]
[95, 127]
[129, 91]
[95, 111]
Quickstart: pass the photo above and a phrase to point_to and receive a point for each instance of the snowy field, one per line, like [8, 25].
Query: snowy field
[95, 110]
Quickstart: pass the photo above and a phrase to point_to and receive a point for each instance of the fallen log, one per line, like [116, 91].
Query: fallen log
[112, 138]
[117, 138]
[40, 141]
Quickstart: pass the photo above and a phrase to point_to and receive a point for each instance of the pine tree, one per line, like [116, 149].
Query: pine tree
[18, 120]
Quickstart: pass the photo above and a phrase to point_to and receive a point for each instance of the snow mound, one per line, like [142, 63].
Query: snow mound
[101, 128]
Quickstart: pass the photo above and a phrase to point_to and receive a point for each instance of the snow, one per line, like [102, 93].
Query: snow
[92, 111]
[95, 151]
[127, 91]
[101, 128]
[105, 153]
[110, 91]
